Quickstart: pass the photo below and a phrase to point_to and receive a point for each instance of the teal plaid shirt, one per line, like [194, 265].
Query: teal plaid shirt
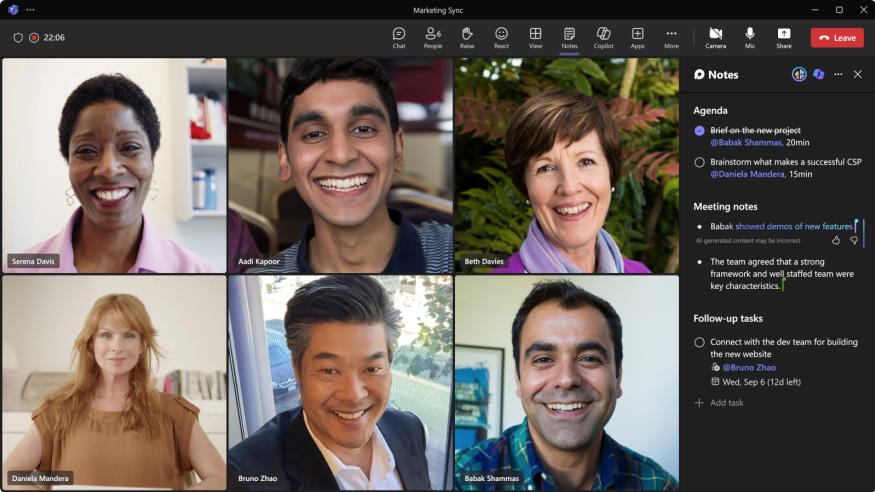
[619, 468]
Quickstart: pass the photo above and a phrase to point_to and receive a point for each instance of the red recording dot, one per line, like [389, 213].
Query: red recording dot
[34, 38]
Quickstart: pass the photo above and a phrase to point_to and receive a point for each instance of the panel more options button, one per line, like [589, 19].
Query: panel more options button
[836, 37]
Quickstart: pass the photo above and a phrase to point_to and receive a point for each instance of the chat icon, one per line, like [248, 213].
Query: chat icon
[398, 34]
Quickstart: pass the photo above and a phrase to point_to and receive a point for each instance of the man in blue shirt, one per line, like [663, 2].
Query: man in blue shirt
[568, 351]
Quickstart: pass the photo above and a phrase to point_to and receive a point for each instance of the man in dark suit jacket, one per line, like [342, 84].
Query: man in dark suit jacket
[283, 448]
[342, 332]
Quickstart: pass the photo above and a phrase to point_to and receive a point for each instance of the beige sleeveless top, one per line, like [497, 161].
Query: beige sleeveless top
[100, 452]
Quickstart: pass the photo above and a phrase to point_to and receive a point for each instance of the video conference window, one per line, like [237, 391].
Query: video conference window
[342, 165]
[104, 169]
[553, 370]
[106, 390]
[566, 165]
[368, 360]
[438, 249]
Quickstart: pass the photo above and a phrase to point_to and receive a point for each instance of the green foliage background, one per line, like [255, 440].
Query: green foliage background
[642, 95]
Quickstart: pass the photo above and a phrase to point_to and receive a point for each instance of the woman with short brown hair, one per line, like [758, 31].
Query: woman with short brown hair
[563, 153]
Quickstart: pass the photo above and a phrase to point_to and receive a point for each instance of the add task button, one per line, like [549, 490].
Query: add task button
[837, 37]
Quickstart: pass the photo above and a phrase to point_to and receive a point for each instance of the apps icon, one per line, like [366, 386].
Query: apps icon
[637, 33]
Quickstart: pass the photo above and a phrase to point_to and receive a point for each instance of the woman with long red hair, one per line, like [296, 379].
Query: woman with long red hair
[108, 424]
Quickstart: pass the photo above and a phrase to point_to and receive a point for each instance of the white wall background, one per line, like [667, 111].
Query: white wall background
[43, 315]
[646, 418]
[35, 175]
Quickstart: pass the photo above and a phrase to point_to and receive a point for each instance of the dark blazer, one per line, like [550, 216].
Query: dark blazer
[283, 448]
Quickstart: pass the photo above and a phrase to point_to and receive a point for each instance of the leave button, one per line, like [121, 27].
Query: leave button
[837, 37]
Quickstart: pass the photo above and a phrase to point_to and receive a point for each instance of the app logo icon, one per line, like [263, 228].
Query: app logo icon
[12, 9]
[818, 74]
[799, 74]
[699, 74]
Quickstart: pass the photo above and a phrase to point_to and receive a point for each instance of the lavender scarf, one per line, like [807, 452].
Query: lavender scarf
[539, 255]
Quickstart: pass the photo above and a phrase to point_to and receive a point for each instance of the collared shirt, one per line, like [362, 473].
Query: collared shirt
[157, 254]
[420, 248]
[384, 475]
[619, 468]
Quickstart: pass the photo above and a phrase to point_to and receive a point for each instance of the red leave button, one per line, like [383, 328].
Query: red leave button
[838, 37]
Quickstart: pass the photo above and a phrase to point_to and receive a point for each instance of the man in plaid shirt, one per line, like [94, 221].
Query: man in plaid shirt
[568, 351]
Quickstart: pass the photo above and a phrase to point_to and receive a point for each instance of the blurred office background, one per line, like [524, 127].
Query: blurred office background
[35, 175]
[262, 382]
[274, 211]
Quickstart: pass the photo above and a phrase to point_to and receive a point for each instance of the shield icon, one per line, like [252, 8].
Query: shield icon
[17, 37]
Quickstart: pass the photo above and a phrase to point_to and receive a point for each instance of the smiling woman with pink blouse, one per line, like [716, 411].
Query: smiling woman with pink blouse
[109, 133]
[563, 153]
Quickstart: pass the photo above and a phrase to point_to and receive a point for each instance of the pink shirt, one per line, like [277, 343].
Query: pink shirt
[157, 253]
